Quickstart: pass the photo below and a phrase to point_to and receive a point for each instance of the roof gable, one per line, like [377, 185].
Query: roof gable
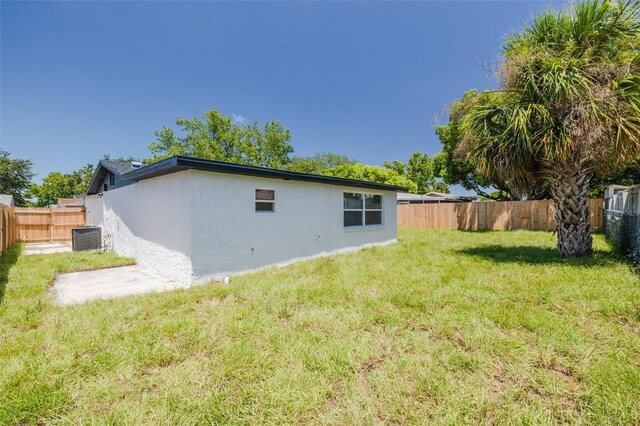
[104, 167]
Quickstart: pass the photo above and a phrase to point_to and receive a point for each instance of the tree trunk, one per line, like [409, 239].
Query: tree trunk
[569, 191]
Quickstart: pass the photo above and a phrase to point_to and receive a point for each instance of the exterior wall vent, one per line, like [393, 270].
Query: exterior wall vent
[86, 238]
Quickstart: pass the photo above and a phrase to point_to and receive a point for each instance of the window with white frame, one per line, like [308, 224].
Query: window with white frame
[265, 201]
[362, 209]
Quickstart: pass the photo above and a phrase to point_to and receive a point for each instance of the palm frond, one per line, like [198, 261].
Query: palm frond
[570, 92]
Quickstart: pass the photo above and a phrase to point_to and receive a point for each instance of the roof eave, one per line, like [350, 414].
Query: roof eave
[177, 163]
[89, 190]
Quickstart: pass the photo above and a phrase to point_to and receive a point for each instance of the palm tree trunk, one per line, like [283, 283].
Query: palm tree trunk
[569, 191]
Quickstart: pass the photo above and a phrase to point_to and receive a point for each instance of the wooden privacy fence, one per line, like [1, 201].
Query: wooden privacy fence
[489, 216]
[49, 224]
[8, 234]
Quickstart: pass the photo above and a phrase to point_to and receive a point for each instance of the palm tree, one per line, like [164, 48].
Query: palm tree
[568, 106]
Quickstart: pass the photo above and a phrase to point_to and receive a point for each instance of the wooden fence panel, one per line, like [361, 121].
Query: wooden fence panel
[48, 225]
[8, 234]
[535, 215]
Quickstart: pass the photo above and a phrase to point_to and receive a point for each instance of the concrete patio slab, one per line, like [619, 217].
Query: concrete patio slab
[80, 287]
[47, 248]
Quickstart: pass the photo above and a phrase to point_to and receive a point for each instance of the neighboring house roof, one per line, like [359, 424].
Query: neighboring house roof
[618, 187]
[104, 167]
[117, 166]
[70, 202]
[432, 197]
[180, 163]
[7, 199]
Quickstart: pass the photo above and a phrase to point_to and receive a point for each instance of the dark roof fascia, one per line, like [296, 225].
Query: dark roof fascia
[178, 163]
[96, 173]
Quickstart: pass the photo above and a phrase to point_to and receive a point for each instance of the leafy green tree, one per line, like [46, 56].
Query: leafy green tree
[318, 163]
[457, 170]
[121, 159]
[216, 137]
[365, 172]
[15, 177]
[628, 176]
[568, 107]
[419, 170]
[454, 169]
[441, 187]
[61, 185]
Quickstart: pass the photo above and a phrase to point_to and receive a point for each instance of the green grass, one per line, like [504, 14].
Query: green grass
[443, 327]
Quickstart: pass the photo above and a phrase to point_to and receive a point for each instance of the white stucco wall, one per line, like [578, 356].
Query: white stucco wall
[192, 226]
[94, 210]
[150, 221]
[230, 237]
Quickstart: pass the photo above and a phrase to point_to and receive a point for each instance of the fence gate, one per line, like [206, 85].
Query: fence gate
[48, 225]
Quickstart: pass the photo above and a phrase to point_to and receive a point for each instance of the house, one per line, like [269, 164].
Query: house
[191, 219]
[70, 202]
[612, 190]
[433, 197]
[7, 199]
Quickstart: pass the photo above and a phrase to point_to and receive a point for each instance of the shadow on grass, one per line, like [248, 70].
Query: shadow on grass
[6, 262]
[533, 255]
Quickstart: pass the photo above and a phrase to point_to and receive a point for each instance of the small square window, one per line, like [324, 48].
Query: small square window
[265, 201]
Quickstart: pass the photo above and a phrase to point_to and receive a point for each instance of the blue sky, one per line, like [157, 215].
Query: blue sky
[364, 79]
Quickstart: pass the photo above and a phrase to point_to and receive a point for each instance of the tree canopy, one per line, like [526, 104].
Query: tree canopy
[15, 177]
[121, 159]
[419, 169]
[61, 185]
[464, 171]
[628, 176]
[455, 169]
[217, 137]
[377, 174]
[568, 107]
[317, 163]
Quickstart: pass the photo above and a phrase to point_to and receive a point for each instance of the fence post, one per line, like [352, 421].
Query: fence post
[2, 233]
[51, 224]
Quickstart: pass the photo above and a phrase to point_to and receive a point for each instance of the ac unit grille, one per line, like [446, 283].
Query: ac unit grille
[87, 238]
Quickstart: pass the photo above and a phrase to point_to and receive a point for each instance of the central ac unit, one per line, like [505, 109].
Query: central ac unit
[86, 238]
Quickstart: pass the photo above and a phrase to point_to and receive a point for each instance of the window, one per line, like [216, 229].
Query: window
[265, 201]
[362, 209]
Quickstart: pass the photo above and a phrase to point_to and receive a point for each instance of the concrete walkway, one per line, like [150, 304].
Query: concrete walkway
[47, 248]
[80, 287]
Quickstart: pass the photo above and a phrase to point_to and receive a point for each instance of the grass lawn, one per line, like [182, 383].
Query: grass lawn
[443, 327]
